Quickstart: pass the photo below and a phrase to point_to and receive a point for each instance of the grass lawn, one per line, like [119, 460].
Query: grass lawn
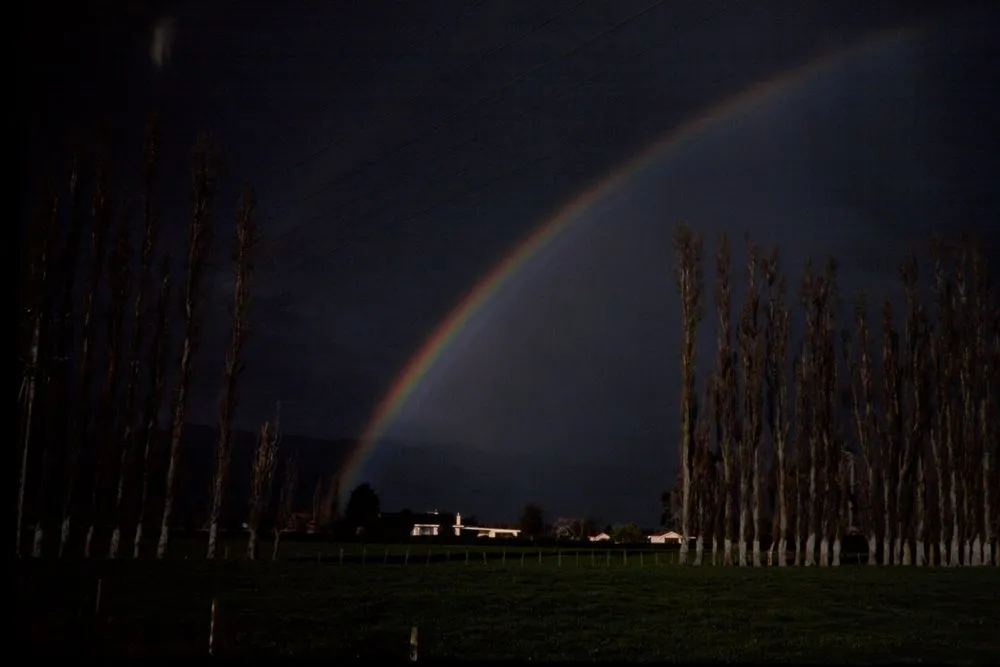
[493, 611]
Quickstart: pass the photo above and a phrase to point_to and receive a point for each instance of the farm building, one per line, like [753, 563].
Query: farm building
[433, 525]
[669, 537]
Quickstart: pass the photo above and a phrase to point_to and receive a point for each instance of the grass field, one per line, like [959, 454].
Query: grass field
[488, 610]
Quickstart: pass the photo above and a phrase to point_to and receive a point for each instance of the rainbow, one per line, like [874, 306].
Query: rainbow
[427, 356]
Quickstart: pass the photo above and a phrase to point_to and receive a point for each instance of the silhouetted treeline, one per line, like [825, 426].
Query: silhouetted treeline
[884, 425]
[100, 365]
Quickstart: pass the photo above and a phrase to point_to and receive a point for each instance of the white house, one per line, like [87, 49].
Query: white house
[480, 531]
[425, 529]
[669, 537]
[600, 537]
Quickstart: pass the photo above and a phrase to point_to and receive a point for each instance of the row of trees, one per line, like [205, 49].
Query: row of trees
[888, 428]
[96, 326]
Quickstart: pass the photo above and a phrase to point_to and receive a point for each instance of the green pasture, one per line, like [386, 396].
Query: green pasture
[488, 609]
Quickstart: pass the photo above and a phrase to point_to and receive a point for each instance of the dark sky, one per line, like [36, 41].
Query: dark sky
[399, 150]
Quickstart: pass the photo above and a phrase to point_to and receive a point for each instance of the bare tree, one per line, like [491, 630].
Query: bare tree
[159, 350]
[777, 391]
[283, 517]
[702, 480]
[726, 400]
[752, 357]
[246, 238]
[56, 365]
[986, 375]
[120, 271]
[822, 303]
[937, 513]
[944, 374]
[803, 460]
[198, 242]
[79, 425]
[892, 433]
[991, 423]
[965, 457]
[37, 307]
[911, 444]
[808, 383]
[688, 249]
[262, 473]
[138, 330]
[860, 376]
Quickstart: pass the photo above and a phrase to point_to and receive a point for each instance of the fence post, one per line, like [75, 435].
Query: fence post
[226, 556]
[503, 559]
[413, 644]
[466, 556]
[625, 557]
[642, 559]
[578, 559]
[592, 558]
[364, 555]
[428, 557]
[560, 558]
[385, 558]
[97, 599]
[522, 559]
[539, 556]
[656, 558]
[484, 558]
[406, 558]
[341, 555]
[609, 557]
[211, 626]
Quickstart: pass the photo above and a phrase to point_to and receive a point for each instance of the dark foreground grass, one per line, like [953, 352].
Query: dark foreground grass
[490, 611]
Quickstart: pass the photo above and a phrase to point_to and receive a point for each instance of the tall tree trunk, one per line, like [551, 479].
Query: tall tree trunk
[39, 301]
[990, 427]
[752, 362]
[756, 491]
[246, 238]
[823, 297]
[892, 433]
[952, 485]
[801, 451]
[866, 424]
[198, 240]
[79, 425]
[688, 249]
[843, 513]
[120, 271]
[138, 331]
[159, 350]
[913, 433]
[921, 554]
[726, 398]
[31, 382]
[943, 373]
[967, 421]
